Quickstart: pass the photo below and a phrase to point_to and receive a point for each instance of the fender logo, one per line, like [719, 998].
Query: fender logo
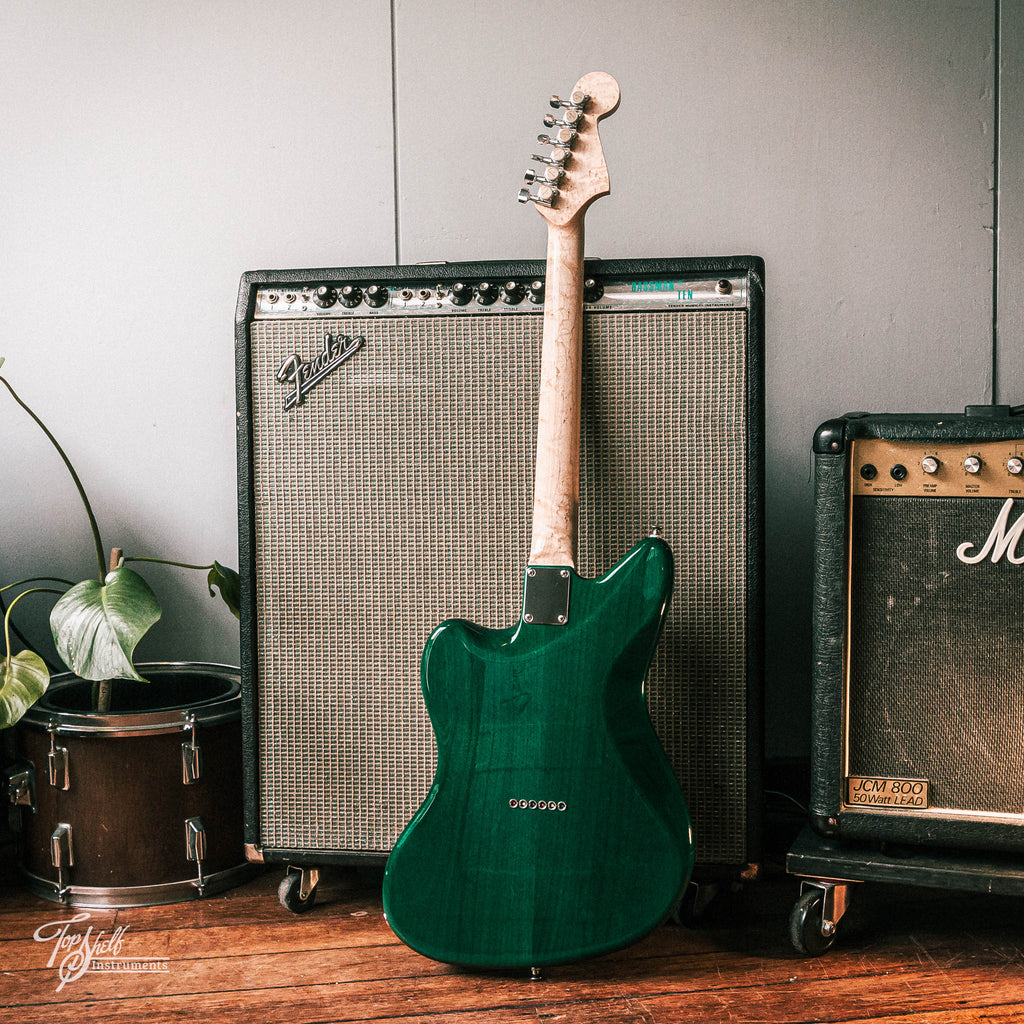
[303, 377]
[1001, 541]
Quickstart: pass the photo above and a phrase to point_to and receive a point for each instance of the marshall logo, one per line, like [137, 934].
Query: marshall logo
[1001, 541]
[303, 377]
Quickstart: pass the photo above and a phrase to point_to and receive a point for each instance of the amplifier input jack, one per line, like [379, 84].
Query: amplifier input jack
[898, 472]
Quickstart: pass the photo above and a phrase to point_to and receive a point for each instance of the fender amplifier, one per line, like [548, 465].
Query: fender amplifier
[387, 420]
[918, 713]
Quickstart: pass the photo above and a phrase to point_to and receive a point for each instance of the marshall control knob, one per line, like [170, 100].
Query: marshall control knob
[325, 297]
[930, 465]
[512, 293]
[351, 296]
[1015, 466]
[972, 465]
[376, 295]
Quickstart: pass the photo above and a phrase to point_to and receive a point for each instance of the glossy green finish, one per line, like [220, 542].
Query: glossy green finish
[552, 714]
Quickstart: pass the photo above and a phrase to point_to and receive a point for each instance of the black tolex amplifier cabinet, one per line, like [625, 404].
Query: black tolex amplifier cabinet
[387, 427]
[918, 715]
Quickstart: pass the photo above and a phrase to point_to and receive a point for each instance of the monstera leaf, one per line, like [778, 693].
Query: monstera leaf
[23, 680]
[227, 581]
[96, 626]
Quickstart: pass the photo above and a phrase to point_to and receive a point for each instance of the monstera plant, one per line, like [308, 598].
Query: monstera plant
[96, 623]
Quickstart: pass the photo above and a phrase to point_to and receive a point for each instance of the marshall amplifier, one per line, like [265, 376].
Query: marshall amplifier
[918, 731]
[386, 456]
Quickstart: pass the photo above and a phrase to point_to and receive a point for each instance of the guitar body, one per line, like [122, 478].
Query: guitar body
[555, 828]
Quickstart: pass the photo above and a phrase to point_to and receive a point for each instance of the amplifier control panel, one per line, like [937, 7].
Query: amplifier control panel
[426, 296]
[989, 469]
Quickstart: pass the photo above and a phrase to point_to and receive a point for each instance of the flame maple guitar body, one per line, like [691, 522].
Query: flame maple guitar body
[555, 828]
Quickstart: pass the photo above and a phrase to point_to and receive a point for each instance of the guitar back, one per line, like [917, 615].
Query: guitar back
[554, 829]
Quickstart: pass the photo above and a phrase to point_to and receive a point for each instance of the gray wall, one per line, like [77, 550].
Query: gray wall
[153, 152]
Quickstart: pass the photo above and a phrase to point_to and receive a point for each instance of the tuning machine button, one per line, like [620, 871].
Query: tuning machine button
[544, 196]
[930, 465]
[376, 295]
[558, 157]
[972, 465]
[325, 296]
[578, 100]
[570, 119]
[551, 175]
[564, 138]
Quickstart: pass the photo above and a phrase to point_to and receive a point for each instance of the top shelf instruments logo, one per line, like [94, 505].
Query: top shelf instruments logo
[74, 952]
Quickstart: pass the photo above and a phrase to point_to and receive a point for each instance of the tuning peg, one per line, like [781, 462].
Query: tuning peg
[558, 158]
[571, 119]
[564, 137]
[545, 196]
[552, 175]
[579, 100]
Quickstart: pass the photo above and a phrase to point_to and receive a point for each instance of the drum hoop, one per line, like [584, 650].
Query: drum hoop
[224, 708]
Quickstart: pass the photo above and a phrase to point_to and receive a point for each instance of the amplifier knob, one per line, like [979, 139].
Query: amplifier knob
[486, 293]
[972, 464]
[512, 293]
[1015, 466]
[930, 464]
[351, 296]
[592, 290]
[325, 296]
[376, 295]
[461, 293]
[537, 292]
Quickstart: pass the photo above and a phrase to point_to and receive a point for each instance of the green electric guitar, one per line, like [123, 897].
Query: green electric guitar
[555, 828]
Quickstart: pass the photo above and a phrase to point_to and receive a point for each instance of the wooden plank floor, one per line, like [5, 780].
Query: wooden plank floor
[901, 954]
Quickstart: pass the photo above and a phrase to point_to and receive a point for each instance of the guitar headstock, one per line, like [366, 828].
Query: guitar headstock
[573, 173]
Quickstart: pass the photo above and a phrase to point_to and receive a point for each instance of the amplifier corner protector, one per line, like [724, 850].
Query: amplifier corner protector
[254, 853]
[830, 437]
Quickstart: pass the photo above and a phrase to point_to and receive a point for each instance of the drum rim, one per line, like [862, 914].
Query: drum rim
[223, 707]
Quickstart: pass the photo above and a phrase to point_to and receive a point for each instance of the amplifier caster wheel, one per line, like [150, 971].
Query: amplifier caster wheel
[297, 891]
[815, 917]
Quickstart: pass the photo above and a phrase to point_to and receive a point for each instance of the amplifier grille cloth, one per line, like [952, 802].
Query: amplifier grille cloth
[399, 495]
[936, 675]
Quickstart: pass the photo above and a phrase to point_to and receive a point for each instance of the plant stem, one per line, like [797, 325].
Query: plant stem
[7, 617]
[166, 561]
[74, 476]
[38, 579]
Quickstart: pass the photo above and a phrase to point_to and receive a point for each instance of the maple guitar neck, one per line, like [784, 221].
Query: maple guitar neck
[556, 481]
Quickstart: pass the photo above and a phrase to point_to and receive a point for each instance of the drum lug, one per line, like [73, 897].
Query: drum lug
[58, 770]
[195, 848]
[21, 784]
[191, 755]
[21, 792]
[191, 763]
[62, 856]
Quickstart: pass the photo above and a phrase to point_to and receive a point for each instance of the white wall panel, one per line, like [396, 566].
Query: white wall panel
[849, 144]
[152, 152]
[1010, 279]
